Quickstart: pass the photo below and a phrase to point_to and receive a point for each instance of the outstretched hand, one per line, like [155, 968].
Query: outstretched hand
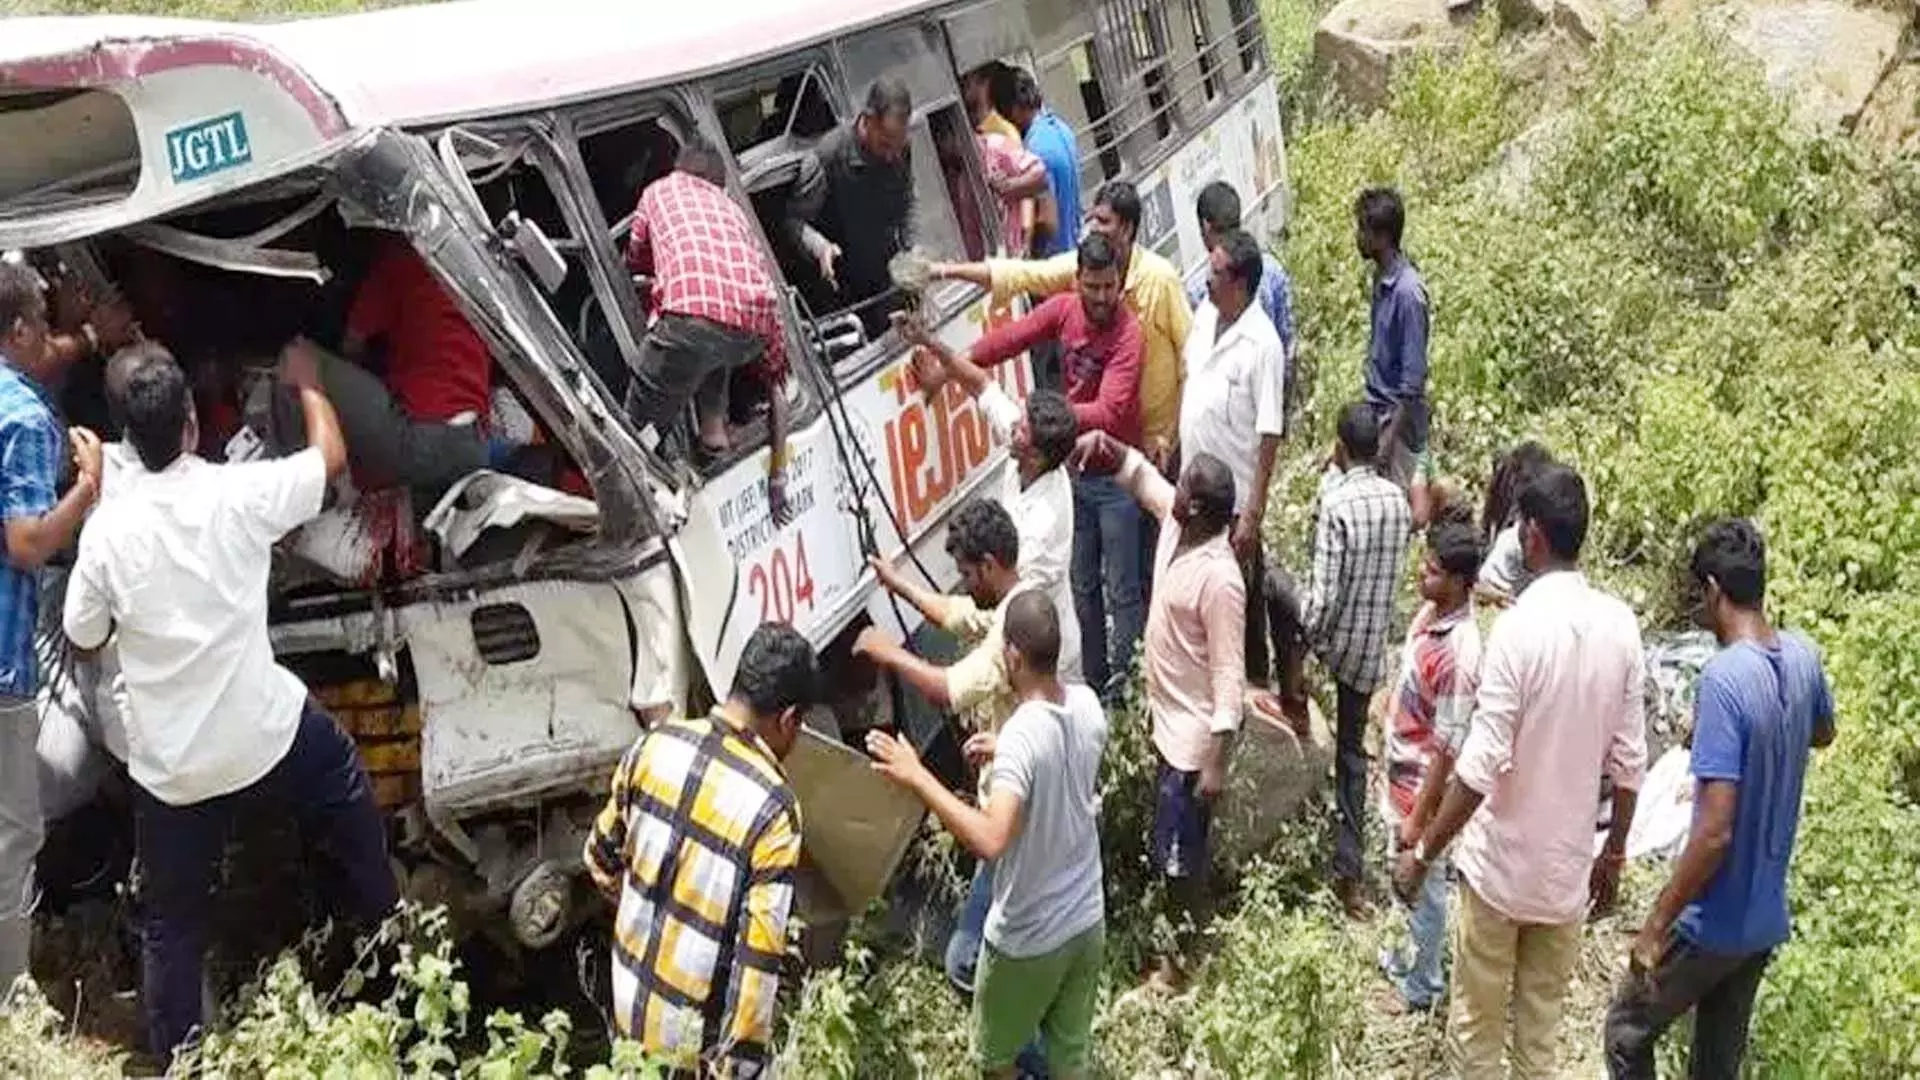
[894, 758]
[1096, 452]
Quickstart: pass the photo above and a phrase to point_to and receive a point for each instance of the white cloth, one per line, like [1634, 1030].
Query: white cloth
[175, 566]
[1046, 884]
[1505, 568]
[1043, 514]
[1235, 391]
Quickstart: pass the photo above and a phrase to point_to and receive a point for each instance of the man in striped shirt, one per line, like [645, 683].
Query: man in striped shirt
[1344, 616]
[715, 307]
[698, 844]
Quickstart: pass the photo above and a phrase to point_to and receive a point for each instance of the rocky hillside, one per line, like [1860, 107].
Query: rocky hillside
[1850, 67]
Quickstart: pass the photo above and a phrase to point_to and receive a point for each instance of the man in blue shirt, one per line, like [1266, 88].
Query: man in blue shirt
[1218, 208]
[38, 522]
[1048, 138]
[1396, 372]
[1051, 140]
[1762, 704]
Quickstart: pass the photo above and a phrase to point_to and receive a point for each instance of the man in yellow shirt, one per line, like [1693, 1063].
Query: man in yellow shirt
[1153, 291]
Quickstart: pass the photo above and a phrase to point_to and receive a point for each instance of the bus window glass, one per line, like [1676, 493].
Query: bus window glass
[795, 104]
[622, 161]
[772, 127]
[523, 190]
[971, 208]
[912, 54]
[939, 148]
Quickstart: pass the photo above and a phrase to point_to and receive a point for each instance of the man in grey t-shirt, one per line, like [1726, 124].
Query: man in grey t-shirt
[1046, 931]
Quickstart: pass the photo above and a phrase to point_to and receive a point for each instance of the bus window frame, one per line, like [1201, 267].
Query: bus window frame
[552, 149]
[952, 300]
[684, 112]
[843, 99]
[1234, 81]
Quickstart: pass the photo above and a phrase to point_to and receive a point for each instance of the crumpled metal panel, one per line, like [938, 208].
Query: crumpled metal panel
[503, 734]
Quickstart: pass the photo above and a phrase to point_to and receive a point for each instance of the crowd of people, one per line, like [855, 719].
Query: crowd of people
[1133, 522]
[1130, 526]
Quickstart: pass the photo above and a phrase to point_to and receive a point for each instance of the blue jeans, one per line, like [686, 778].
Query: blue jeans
[1421, 978]
[963, 957]
[1106, 549]
[963, 947]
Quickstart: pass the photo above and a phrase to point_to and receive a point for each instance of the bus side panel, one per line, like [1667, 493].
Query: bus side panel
[927, 457]
[1245, 147]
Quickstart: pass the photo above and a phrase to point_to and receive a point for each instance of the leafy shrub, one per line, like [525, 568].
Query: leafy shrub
[1680, 143]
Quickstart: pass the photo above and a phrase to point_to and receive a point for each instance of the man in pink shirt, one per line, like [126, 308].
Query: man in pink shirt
[1559, 706]
[1195, 647]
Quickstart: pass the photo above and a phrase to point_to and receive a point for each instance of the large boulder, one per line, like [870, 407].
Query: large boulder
[1891, 120]
[1359, 41]
[1827, 56]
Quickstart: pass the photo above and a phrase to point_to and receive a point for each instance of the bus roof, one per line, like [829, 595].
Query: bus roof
[430, 63]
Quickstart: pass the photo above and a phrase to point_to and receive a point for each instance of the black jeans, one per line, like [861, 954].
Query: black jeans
[685, 358]
[388, 445]
[1717, 987]
[1349, 781]
[1283, 616]
[321, 783]
[1259, 657]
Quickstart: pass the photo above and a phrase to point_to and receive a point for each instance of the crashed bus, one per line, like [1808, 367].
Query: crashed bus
[496, 653]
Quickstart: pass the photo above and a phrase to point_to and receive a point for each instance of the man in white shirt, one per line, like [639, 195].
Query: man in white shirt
[1039, 492]
[1233, 407]
[174, 567]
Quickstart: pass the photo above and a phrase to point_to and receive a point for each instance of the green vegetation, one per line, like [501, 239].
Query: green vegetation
[1710, 313]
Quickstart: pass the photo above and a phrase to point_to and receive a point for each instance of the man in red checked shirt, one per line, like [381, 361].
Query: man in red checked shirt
[716, 307]
[1100, 345]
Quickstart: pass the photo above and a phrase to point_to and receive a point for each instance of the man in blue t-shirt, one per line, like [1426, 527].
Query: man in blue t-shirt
[1762, 704]
[1050, 139]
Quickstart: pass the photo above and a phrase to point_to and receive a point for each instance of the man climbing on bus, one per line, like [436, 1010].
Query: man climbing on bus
[852, 208]
[1104, 342]
[715, 307]
[697, 845]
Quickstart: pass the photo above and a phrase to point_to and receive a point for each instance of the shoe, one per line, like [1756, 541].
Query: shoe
[1165, 977]
[1391, 1001]
[1352, 896]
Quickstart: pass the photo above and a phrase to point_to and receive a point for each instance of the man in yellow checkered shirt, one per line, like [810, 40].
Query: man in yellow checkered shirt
[697, 845]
